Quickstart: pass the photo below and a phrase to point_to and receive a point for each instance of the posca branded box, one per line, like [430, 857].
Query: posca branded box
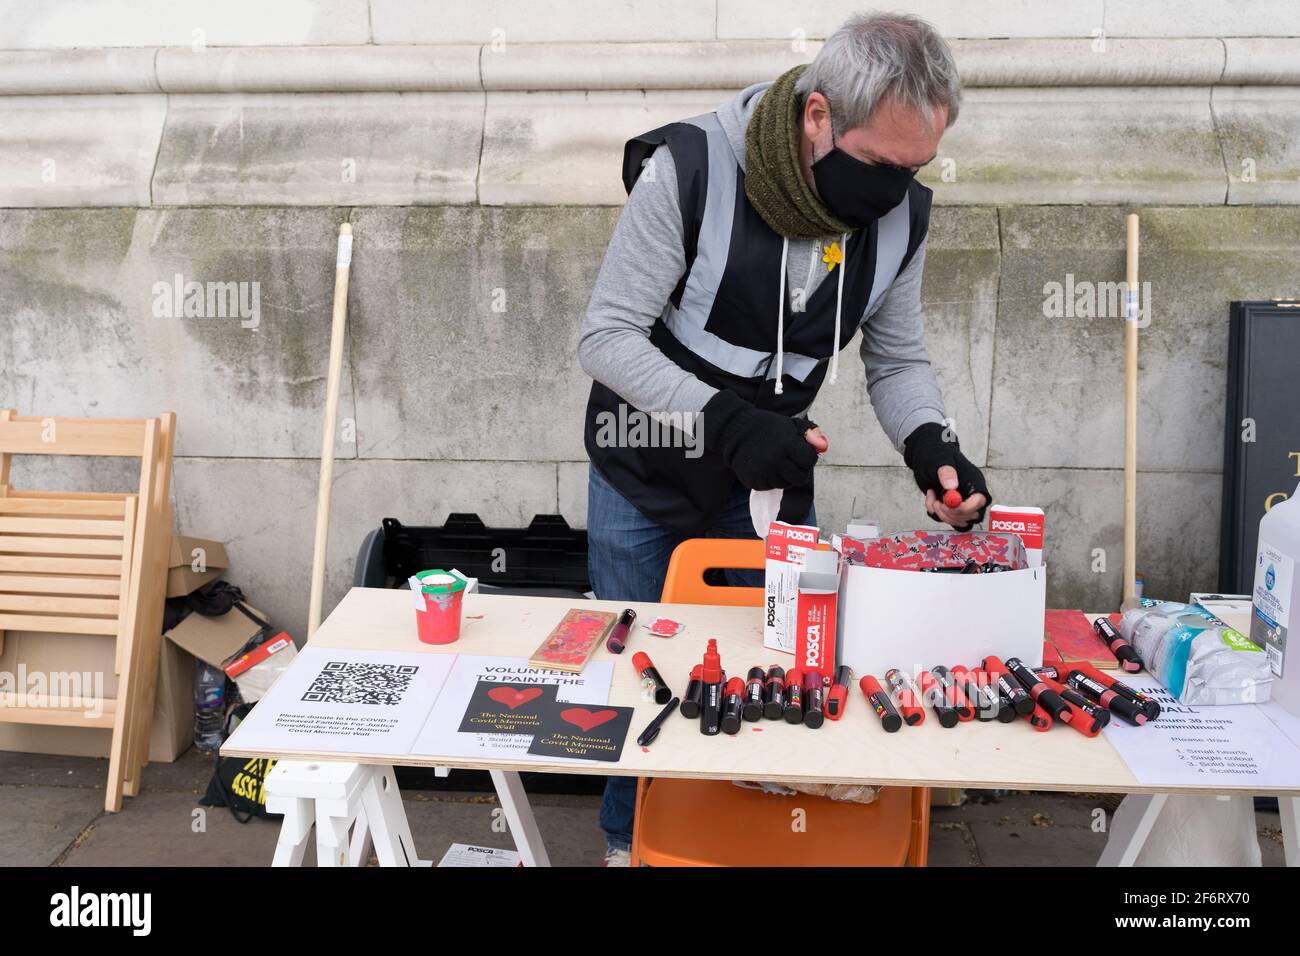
[819, 586]
[787, 544]
[1026, 523]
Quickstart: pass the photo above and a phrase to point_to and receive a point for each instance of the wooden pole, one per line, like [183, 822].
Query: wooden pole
[1130, 414]
[329, 427]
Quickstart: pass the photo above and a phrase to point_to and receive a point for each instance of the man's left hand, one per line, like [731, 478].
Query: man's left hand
[965, 515]
[938, 465]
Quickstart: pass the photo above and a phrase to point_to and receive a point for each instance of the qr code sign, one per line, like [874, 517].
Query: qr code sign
[349, 682]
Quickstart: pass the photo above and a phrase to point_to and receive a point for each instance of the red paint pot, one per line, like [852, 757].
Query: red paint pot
[437, 605]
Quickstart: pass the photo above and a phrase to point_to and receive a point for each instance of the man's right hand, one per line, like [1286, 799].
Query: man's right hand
[765, 449]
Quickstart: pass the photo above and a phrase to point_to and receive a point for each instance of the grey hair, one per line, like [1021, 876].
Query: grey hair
[877, 56]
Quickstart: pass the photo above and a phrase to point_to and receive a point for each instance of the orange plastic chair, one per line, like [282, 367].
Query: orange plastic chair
[715, 823]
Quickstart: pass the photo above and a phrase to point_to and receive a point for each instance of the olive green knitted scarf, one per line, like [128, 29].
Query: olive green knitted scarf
[774, 181]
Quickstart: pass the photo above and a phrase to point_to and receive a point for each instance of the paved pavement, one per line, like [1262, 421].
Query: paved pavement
[51, 814]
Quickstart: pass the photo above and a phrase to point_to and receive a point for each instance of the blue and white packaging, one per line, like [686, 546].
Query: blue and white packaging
[1195, 655]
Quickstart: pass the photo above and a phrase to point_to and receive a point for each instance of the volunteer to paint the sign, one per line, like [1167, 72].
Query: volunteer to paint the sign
[756, 241]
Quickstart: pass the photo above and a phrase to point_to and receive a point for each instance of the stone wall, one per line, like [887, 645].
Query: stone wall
[477, 157]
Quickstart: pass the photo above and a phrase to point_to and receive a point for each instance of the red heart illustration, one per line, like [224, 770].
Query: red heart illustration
[512, 697]
[585, 719]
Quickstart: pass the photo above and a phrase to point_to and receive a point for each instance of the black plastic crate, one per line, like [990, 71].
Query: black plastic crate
[546, 555]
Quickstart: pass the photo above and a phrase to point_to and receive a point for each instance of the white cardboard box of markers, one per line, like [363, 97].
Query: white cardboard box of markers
[885, 618]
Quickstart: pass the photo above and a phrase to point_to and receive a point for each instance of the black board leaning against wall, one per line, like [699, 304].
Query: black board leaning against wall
[1261, 449]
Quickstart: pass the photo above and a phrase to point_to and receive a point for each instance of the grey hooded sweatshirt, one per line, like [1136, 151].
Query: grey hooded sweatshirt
[646, 259]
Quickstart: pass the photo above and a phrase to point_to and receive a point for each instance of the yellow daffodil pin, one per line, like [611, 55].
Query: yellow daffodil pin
[832, 255]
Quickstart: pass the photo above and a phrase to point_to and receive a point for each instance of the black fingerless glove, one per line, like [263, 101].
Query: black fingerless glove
[925, 451]
[765, 449]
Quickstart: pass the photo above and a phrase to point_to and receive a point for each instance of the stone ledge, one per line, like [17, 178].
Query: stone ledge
[698, 64]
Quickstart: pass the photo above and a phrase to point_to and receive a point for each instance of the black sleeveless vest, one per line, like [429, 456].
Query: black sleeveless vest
[720, 323]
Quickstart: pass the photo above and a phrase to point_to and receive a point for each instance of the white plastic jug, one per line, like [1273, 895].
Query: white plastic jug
[1275, 597]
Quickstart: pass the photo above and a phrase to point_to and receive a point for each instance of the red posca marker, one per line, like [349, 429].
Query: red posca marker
[932, 694]
[983, 698]
[1009, 687]
[1103, 696]
[1006, 711]
[650, 677]
[953, 694]
[814, 690]
[752, 709]
[900, 688]
[1149, 706]
[793, 710]
[774, 693]
[733, 702]
[1088, 719]
[1039, 719]
[1088, 723]
[881, 704]
[838, 697]
[1043, 695]
[711, 708]
[693, 699]
[1124, 652]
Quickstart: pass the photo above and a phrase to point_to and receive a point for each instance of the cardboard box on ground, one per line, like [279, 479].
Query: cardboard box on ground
[212, 639]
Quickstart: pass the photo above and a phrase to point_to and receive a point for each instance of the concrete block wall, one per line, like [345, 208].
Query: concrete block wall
[476, 152]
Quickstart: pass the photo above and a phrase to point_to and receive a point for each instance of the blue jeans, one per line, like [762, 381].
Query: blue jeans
[627, 559]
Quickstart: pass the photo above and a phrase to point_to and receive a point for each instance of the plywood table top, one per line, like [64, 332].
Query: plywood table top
[855, 749]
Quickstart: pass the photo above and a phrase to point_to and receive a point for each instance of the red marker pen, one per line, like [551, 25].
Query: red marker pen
[1124, 651]
[952, 694]
[1103, 696]
[754, 686]
[650, 677]
[983, 698]
[711, 675]
[1086, 719]
[1009, 687]
[693, 699]
[1149, 706]
[880, 703]
[774, 693]
[900, 688]
[1038, 718]
[814, 690]
[1043, 695]
[732, 703]
[932, 694]
[793, 710]
[839, 694]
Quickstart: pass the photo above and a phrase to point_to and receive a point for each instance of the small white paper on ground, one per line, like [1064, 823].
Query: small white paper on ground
[441, 734]
[1230, 746]
[337, 700]
[462, 854]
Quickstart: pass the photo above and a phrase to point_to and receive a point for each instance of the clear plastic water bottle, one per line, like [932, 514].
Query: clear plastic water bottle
[209, 707]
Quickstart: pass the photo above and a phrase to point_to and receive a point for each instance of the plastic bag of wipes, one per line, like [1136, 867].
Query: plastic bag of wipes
[1194, 654]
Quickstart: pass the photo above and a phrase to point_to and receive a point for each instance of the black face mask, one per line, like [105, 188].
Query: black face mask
[855, 192]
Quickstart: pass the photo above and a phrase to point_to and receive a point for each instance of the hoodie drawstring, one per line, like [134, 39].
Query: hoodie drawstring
[780, 319]
[839, 302]
[780, 310]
